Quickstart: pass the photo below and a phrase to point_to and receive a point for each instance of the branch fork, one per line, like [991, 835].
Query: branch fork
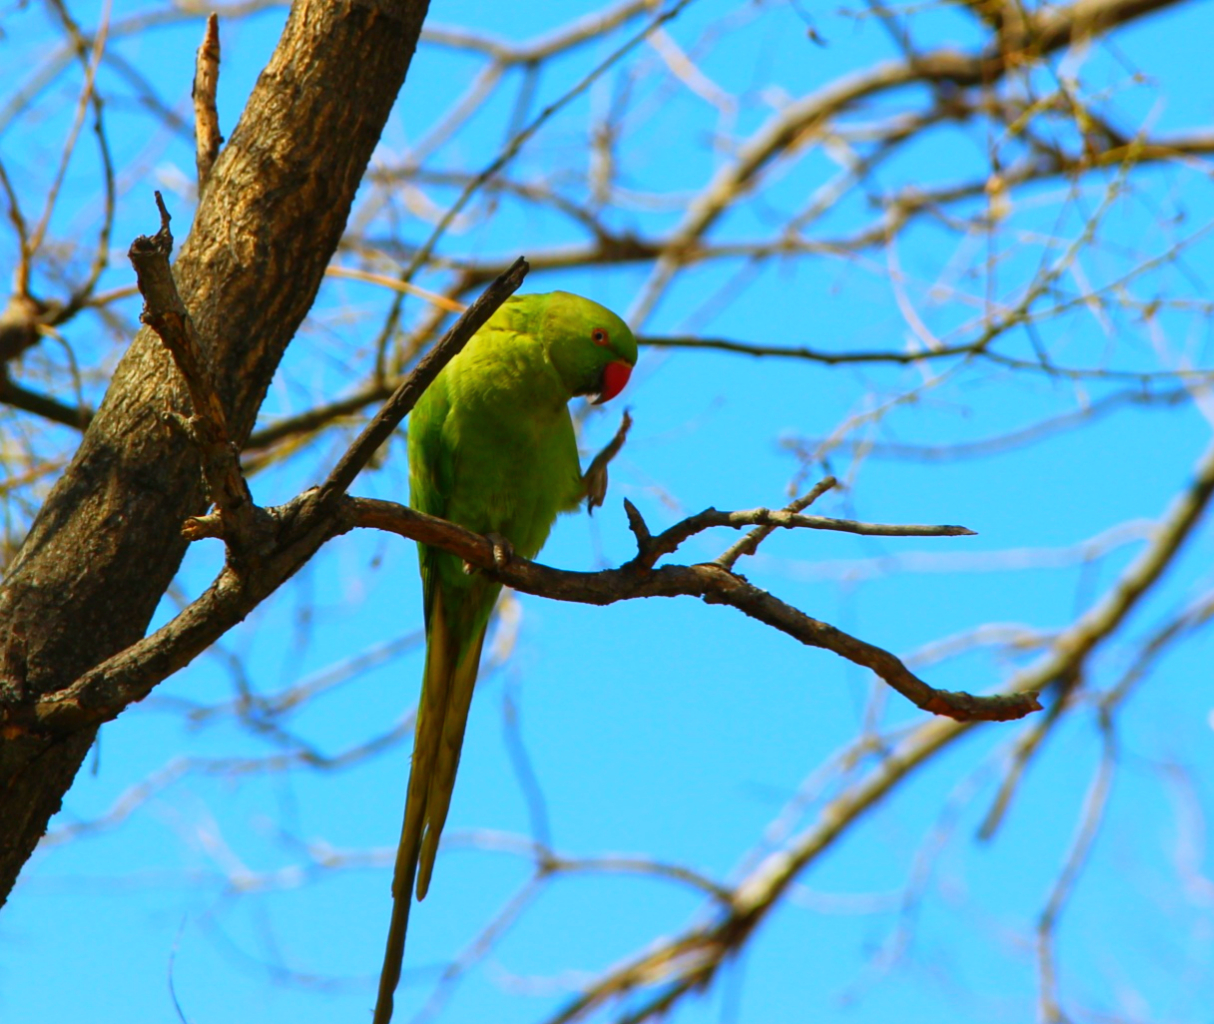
[165, 313]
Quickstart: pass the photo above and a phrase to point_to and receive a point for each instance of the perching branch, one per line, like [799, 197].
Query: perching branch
[309, 520]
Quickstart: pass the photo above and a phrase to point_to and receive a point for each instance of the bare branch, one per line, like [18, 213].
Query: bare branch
[398, 286]
[749, 544]
[584, 30]
[521, 138]
[653, 548]
[689, 960]
[708, 582]
[207, 138]
[166, 314]
[12, 393]
[314, 419]
[1094, 804]
[309, 520]
[87, 97]
[803, 351]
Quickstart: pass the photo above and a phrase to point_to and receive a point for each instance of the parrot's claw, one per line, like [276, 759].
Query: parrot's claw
[503, 550]
[503, 554]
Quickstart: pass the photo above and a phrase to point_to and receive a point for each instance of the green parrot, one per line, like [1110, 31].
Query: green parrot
[491, 447]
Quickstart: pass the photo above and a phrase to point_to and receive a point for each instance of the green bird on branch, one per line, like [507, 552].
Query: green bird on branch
[492, 448]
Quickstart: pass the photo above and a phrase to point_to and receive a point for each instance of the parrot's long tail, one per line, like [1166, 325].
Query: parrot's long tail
[442, 715]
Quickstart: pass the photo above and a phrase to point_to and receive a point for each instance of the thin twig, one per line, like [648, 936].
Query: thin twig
[518, 141]
[441, 301]
[1092, 816]
[86, 97]
[749, 544]
[669, 540]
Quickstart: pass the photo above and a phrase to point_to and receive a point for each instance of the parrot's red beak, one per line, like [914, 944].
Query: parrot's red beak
[615, 377]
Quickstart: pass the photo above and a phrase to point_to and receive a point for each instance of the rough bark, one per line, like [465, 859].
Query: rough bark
[108, 540]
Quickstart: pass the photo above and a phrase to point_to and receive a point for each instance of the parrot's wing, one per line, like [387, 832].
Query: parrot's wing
[457, 608]
[432, 470]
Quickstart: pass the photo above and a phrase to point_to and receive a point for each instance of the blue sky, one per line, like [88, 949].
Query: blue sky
[672, 729]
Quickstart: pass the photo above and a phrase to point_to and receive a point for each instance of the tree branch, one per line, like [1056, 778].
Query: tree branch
[12, 393]
[749, 544]
[689, 960]
[166, 314]
[309, 520]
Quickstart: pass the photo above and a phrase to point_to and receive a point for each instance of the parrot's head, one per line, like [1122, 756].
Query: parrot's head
[592, 349]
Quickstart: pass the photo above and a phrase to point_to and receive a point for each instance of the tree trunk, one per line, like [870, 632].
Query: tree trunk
[107, 542]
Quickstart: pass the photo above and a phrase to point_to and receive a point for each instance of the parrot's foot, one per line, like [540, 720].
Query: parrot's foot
[595, 482]
[503, 553]
[503, 550]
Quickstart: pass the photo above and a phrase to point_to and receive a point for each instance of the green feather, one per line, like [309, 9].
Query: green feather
[491, 447]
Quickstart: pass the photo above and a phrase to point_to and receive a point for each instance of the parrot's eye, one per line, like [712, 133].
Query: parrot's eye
[599, 336]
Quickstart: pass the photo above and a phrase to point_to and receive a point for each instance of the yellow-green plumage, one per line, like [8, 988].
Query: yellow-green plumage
[491, 447]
